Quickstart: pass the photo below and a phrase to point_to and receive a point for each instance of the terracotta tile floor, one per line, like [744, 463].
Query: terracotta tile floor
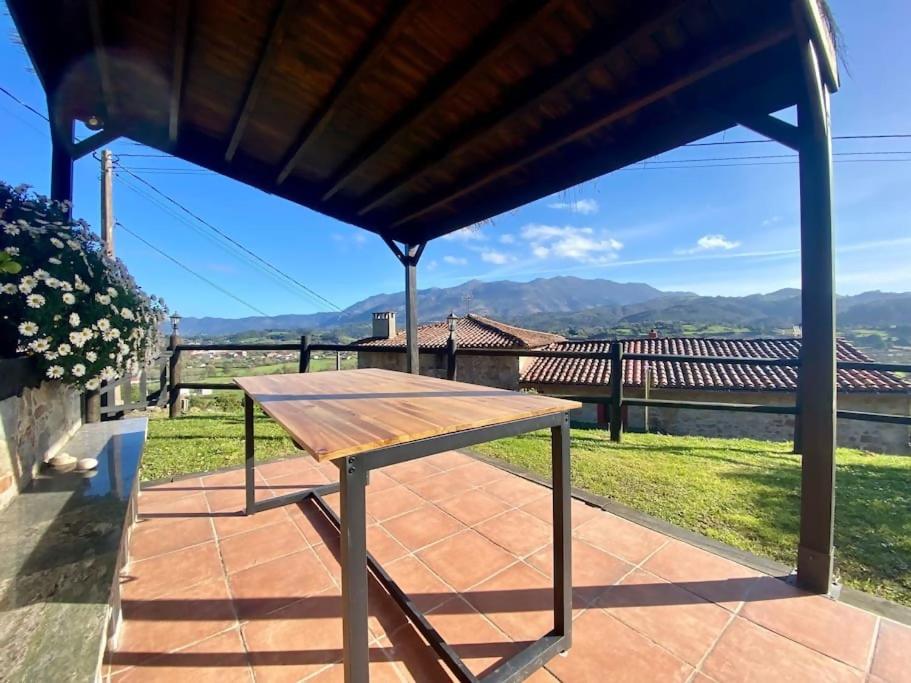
[213, 595]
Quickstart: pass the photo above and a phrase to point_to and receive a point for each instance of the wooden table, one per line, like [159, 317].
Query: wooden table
[367, 419]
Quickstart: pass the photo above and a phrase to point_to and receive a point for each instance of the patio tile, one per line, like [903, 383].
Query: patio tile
[465, 559]
[422, 526]
[188, 484]
[594, 571]
[833, 628]
[379, 481]
[473, 506]
[392, 502]
[442, 486]
[270, 586]
[233, 498]
[604, 649]
[172, 621]
[186, 506]
[424, 588]
[892, 658]
[312, 522]
[580, 513]
[153, 537]
[171, 491]
[261, 545]
[383, 546]
[620, 537]
[414, 659]
[748, 652]
[519, 600]
[678, 620]
[411, 471]
[299, 481]
[296, 641]
[302, 465]
[231, 523]
[483, 474]
[450, 460]
[230, 479]
[519, 532]
[515, 490]
[703, 573]
[220, 659]
[147, 579]
[382, 670]
[480, 645]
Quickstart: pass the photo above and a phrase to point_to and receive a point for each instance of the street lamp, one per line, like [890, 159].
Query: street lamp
[175, 321]
[452, 322]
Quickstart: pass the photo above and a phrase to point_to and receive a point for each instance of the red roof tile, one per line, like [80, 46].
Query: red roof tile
[472, 332]
[716, 376]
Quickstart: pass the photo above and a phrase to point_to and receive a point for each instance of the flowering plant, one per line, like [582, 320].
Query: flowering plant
[65, 303]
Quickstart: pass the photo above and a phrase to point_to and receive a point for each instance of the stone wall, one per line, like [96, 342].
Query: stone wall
[36, 420]
[491, 371]
[869, 436]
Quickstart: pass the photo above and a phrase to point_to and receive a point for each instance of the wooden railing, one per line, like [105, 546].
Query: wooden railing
[614, 400]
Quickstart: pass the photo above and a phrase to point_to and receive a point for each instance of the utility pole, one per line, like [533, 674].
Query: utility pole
[107, 202]
[467, 299]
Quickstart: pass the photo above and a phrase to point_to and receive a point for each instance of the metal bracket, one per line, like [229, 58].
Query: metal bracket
[402, 255]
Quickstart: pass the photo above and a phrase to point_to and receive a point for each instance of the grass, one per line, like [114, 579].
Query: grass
[745, 493]
[742, 492]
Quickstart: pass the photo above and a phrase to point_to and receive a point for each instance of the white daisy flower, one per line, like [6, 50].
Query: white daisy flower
[127, 313]
[74, 317]
[28, 328]
[70, 299]
[55, 372]
[107, 335]
[51, 355]
[52, 282]
[76, 339]
[57, 243]
[91, 356]
[64, 349]
[12, 251]
[112, 292]
[92, 384]
[54, 260]
[78, 370]
[103, 299]
[108, 373]
[8, 288]
[35, 300]
[40, 274]
[104, 324]
[65, 286]
[40, 345]
[11, 229]
[26, 285]
[72, 244]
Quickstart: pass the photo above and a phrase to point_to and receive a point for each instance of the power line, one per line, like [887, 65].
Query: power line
[190, 270]
[882, 136]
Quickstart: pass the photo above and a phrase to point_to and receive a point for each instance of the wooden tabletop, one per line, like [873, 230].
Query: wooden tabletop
[337, 414]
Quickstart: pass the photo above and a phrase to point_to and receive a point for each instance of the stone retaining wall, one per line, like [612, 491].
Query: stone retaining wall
[37, 418]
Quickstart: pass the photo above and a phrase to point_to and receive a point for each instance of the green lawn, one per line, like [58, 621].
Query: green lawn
[739, 491]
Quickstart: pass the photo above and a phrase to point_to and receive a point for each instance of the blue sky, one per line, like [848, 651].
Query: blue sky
[714, 227]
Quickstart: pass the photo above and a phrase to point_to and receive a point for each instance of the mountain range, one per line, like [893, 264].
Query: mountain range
[571, 304]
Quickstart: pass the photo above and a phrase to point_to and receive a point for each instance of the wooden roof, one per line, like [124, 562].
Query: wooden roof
[413, 118]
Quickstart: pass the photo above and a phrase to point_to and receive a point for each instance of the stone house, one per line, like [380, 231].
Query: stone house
[860, 390]
[472, 332]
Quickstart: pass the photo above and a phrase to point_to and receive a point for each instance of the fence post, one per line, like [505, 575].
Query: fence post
[616, 390]
[93, 406]
[452, 347]
[304, 365]
[646, 390]
[338, 360]
[174, 376]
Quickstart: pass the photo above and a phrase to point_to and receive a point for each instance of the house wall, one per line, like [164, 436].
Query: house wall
[869, 436]
[37, 418]
[491, 371]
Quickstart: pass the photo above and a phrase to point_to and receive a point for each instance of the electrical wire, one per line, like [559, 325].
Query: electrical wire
[190, 270]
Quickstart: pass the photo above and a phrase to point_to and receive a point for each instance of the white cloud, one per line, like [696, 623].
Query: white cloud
[455, 260]
[507, 239]
[469, 234]
[710, 243]
[496, 257]
[570, 242]
[586, 207]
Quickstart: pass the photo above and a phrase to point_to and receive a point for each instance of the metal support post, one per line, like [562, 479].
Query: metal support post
[249, 461]
[304, 363]
[353, 482]
[616, 391]
[562, 504]
[174, 377]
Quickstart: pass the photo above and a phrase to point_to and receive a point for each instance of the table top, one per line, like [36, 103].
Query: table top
[346, 412]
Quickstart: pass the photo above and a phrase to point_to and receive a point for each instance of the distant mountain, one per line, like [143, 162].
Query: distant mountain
[503, 299]
[581, 307]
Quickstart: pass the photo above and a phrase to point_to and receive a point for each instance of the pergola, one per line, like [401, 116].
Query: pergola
[415, 118]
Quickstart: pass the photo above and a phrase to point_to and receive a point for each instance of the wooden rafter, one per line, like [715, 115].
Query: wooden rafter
[772, 128]
[598, 117]
[490, 46]
[277, 31]
[182, 35]
[101, 57]
[530, 94]
[381, 39]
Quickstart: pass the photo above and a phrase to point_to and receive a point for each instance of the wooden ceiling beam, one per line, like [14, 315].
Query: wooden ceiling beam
[486, 49]
[182, 35]
[102, 60]
[600, 116]
[597, 51]
[381, 39]
[274, 39]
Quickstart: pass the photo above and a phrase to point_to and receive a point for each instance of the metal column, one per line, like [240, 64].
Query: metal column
[249, 461]
[817, 370]
[413, 356]
[353, 480]
[562, 500]
[61, 160]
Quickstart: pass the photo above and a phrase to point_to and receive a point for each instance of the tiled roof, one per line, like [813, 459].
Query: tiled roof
[472, 332]
[676, 375]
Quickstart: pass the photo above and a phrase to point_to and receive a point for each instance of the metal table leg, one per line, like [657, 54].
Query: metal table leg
[353, 480]
[250, 482]
[563, 588]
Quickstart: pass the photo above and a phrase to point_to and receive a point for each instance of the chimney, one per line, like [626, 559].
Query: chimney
[652, 333]
[384, 325]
